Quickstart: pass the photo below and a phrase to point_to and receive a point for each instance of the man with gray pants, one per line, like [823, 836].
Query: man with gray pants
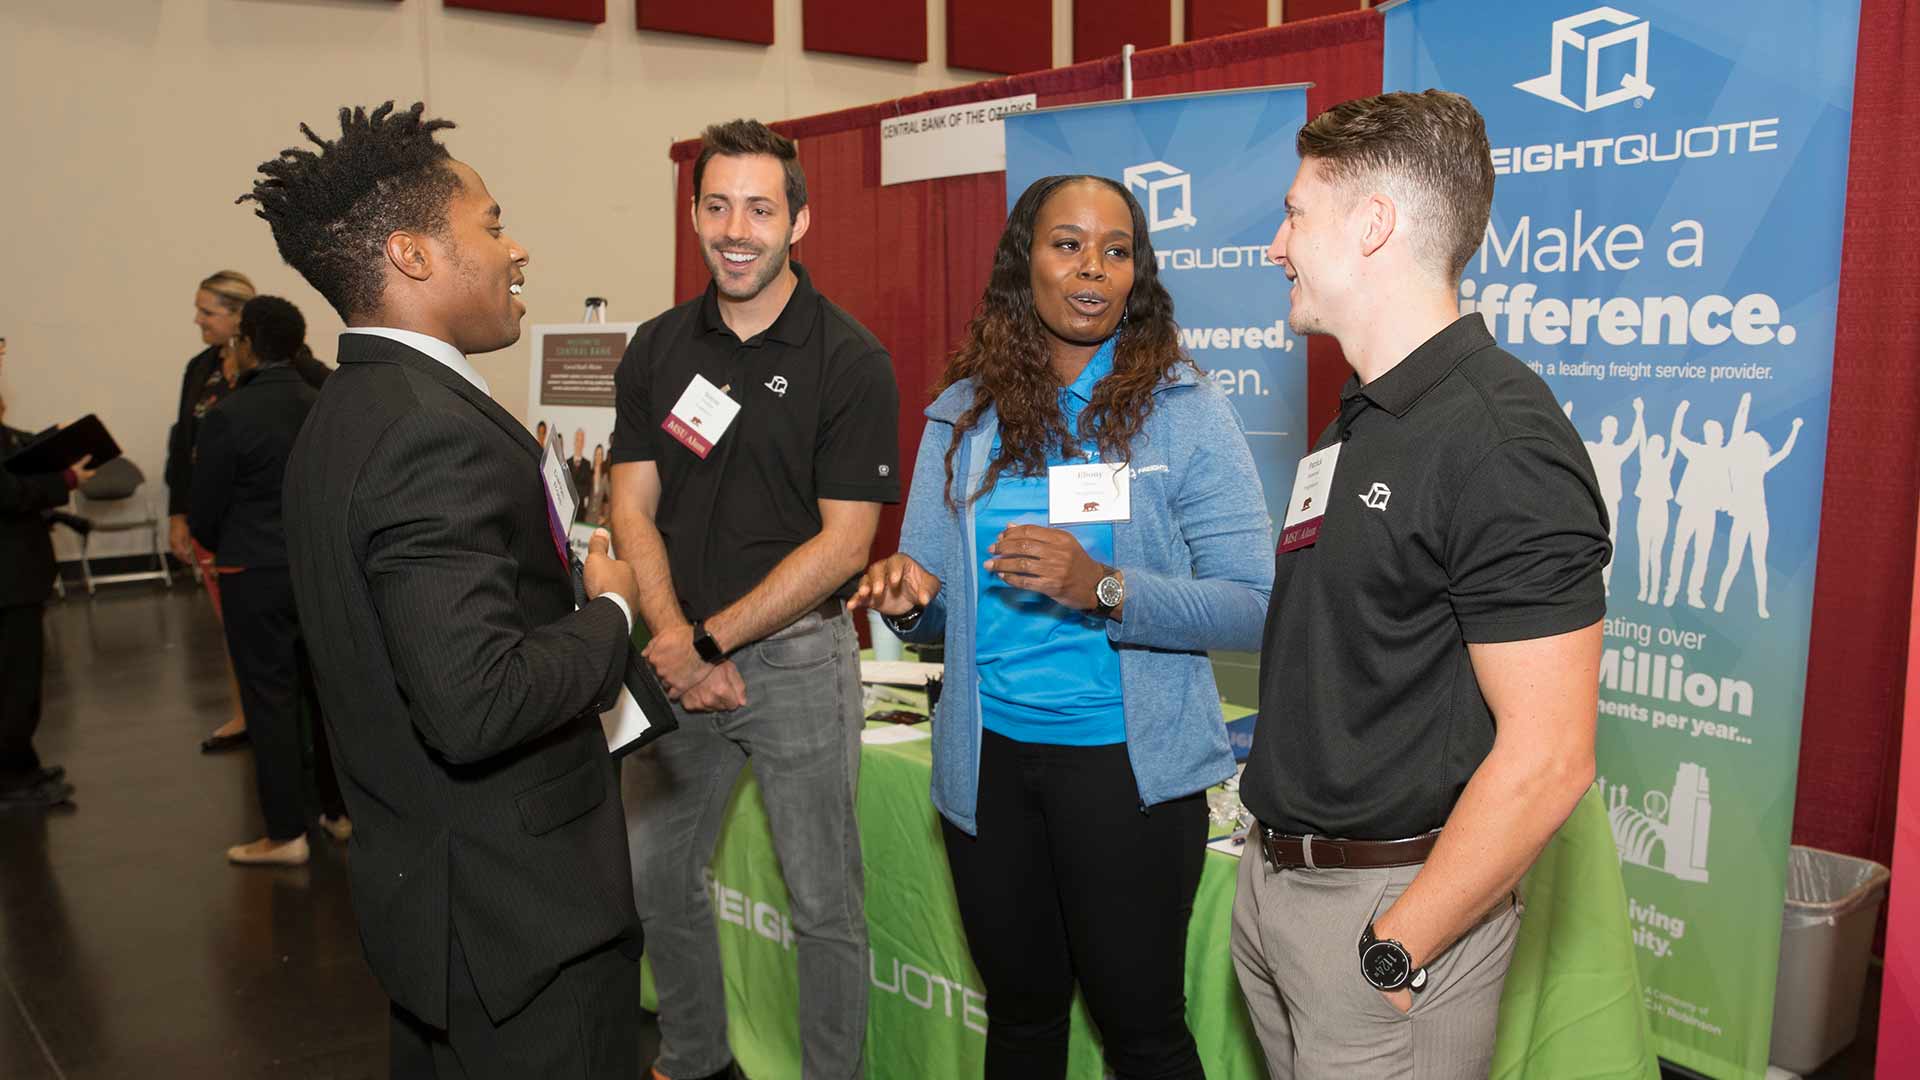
[757, 439]
[1429, 672]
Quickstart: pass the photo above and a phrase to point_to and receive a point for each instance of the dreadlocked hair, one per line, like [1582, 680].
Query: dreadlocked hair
[332, 210]
[1007, 353]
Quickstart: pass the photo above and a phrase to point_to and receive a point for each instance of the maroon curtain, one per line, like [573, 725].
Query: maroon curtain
[1103, 27]
[1857, 658]
[910, 261]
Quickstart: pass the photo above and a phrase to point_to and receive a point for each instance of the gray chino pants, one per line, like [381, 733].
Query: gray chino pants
[1296, 942]
[801, 729]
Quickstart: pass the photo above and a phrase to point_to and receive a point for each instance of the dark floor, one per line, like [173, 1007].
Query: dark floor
[128, 946]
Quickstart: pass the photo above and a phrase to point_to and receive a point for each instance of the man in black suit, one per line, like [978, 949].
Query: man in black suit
[26, 581]
[240, 463]
[461, 685]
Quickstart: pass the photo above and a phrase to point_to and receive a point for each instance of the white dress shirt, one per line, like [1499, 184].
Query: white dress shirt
[452, 358]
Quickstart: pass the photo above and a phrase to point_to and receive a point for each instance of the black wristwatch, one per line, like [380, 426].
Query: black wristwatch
[1110, 593]
[1387, 966]
[703, 643]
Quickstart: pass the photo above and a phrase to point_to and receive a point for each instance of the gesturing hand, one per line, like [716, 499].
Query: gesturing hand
[895, 585]
[605, 574]
[1050, 562]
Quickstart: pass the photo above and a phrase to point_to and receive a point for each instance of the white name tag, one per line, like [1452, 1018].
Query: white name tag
[561, 504]
[1087, 494]
[1312, 487]
[701, 416]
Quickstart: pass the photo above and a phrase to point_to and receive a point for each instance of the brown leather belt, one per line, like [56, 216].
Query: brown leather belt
[1287, 852]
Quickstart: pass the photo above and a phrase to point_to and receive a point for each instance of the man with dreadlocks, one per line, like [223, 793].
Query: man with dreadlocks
[460, 685]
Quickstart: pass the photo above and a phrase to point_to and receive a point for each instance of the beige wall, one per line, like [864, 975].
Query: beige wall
[131, 125]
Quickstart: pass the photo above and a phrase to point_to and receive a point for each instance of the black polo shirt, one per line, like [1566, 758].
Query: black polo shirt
[1464, 509]
[819, 419]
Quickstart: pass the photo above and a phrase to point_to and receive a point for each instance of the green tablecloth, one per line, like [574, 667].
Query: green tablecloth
[1572, 1004]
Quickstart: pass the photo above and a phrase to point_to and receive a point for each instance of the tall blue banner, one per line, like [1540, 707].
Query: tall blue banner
[1665, 251]
[1211, 171]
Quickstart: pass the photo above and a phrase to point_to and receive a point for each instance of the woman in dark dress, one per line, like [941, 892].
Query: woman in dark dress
[209, 378]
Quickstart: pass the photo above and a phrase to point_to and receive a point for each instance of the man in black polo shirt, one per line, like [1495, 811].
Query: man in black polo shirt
[757, 439]
[1430, 667]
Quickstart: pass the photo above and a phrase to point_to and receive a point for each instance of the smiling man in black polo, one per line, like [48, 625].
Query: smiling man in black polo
[757, 438]
[1430, 666]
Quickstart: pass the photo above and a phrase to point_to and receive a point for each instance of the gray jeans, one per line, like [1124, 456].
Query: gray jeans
[1296, 948]
[801, 729]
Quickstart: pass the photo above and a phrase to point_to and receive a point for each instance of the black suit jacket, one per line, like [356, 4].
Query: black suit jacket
[459, 684]
[26, 552]
[186, 427]
[240, 464]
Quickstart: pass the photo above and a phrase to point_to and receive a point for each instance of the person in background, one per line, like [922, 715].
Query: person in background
[235, 513]
[581, 468]
[1429, 675]
[1080, 725]
[26, 582]
[540, 434]
[311, 368]
[209, 377]
[593, 502]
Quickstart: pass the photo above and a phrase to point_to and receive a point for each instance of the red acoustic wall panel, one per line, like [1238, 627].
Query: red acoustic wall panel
[733, 20]
[1101, 27]
[886, 29]
[1295, 10]
[1011, 37]
[586, 11]
[1211, 18]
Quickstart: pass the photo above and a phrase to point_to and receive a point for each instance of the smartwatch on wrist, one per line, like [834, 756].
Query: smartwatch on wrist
[1110, 593]
[1387, 966]
[704, 644]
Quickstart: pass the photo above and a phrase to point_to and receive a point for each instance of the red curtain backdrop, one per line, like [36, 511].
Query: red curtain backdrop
[1295, 10]
[1011, 37]
[586, 11]
[1857, 658]
[733, 20]
[909, 261]
[1101, 27]
[888, 30]
[1211, 18]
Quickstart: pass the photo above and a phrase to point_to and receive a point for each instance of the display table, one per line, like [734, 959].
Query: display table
[1572, 1005]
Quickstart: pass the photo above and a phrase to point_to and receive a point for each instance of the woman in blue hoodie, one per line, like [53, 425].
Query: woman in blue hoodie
[1085, 523]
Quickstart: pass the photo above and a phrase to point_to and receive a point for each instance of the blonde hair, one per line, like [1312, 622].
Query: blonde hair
[232, 287]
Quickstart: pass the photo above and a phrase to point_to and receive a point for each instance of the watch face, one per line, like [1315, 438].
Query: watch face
[1109, 591]
[1386, 965]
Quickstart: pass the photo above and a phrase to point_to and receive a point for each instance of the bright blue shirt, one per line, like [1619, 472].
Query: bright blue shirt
[1048, 673]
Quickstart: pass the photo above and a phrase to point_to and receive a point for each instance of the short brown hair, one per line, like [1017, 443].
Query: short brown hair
[1427, 149]
[745, 138]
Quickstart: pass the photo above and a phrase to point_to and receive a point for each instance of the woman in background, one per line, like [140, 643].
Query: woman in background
[209, 378]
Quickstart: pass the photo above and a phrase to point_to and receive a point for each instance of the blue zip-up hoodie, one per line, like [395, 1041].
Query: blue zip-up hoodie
[1197, 556]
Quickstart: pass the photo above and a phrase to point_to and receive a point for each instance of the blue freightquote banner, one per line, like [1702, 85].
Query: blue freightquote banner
[1665, 251]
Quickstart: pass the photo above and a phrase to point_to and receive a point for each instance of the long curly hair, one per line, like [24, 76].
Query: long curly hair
[1008, 357]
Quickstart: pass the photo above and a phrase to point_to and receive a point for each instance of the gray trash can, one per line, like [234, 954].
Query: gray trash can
[1826, 939]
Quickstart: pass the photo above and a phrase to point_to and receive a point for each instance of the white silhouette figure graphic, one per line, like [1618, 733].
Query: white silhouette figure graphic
[1654, 490]
[1704, 491]
[1608, 457]
[1749, 459]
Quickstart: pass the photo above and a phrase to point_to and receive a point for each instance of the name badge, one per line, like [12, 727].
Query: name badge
[562, 503]
[1312, 487]
[701, 416]
[1089, 494]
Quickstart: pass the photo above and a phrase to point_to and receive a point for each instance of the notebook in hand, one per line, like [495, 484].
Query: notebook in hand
[63, 448]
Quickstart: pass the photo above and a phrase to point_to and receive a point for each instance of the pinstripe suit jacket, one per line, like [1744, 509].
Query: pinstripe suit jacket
[460, 684]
